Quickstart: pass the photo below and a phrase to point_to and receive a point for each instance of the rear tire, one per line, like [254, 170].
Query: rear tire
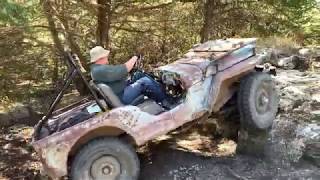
[257, 101]
[106, 158]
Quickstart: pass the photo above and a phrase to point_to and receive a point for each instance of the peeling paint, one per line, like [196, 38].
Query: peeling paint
[202, 94]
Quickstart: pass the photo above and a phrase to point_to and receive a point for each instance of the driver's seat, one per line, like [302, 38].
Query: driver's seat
[112, 99]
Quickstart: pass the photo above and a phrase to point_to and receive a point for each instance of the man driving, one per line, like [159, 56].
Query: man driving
[115, 76]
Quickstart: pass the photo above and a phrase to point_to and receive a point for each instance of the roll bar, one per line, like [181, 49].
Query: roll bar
[74, 69]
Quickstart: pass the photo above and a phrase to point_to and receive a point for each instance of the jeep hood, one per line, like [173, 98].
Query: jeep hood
[191, 68]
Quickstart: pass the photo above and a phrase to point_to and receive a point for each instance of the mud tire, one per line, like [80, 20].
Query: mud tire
[97, 150]
[257, 101]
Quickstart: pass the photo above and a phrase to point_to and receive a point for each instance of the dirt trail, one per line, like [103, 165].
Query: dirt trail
[17, 159]
[172, 164]
[190, 156]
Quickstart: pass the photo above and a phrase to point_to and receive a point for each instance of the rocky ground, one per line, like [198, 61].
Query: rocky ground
[292, 151]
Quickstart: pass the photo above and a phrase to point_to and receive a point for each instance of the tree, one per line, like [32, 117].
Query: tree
[103, 22]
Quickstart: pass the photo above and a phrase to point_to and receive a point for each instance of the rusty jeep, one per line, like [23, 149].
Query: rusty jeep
[201, 82]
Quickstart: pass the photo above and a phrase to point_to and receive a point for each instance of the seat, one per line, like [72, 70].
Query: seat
[151, 107]
[112, 99]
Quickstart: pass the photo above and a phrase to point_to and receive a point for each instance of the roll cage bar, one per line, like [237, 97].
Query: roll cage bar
[74, 69]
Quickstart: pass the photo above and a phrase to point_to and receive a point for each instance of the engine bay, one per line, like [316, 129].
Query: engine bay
[171, 82]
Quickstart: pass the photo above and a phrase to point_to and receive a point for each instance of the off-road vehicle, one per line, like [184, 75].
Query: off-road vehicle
[95, 138]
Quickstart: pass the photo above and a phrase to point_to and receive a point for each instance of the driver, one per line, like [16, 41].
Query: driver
[116, 77]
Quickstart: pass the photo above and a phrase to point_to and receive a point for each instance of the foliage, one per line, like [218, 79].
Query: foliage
[11, 13]
[311, 28]
[34, 33]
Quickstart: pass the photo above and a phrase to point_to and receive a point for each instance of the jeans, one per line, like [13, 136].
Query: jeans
[146, 86]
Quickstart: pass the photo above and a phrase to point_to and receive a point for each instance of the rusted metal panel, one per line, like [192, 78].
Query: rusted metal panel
[192, 66]
[204, 95]
[190, 70]
[223, 45]
[140, 125]
[223, 92]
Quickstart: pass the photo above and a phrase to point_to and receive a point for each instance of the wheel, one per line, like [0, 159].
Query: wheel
[257, 101]
[106, 158]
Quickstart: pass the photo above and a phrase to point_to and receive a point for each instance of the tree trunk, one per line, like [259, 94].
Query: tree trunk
[55, 75]
[79, 85]
[208, 23]
[164, 18]
[73, 45]
[104, 21]
[59, 47]
[59, 50]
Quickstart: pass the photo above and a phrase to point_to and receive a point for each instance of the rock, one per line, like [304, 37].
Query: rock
[306, 52]
[8, 137]
[23, 151]
[290, 141]
[283, 146]
[293, 62]
[252, 142]
[291, 137]
[5, 120]
[271, 56]
[316, 115]
[298, 91]
[292, 97]
[7, 146]
[315, 65]
[316, 97]
[285, 52]
[20, 112]
[286, 62]
[310, 134]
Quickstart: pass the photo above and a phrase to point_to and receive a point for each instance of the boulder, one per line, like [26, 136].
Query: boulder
[19, 114]
[310, 135]
[20, 111]
[293, 62]
[298, 91]
[292, 136]
[5, 120]
[283, 147]
[252, 142]
[286, 62]
[306, 52]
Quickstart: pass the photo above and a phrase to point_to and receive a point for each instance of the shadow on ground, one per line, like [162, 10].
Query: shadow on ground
[165, 163]
[17, 159]
[189, 156]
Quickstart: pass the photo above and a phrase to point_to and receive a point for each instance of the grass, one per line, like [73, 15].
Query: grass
[286, 45]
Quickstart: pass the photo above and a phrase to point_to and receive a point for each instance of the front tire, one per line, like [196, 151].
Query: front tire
[106, 158]
[257, 101]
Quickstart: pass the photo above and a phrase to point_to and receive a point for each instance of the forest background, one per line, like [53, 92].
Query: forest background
[35, 33]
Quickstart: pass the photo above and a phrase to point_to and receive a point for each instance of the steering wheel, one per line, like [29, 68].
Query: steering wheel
[137, 71]
[138, 65]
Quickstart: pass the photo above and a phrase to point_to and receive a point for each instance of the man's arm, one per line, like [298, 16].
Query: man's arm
[130, 63]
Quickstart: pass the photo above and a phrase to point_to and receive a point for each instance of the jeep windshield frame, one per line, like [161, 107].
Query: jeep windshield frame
[74, 69]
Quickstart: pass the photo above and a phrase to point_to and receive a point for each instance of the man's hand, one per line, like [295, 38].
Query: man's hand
[131, 62]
